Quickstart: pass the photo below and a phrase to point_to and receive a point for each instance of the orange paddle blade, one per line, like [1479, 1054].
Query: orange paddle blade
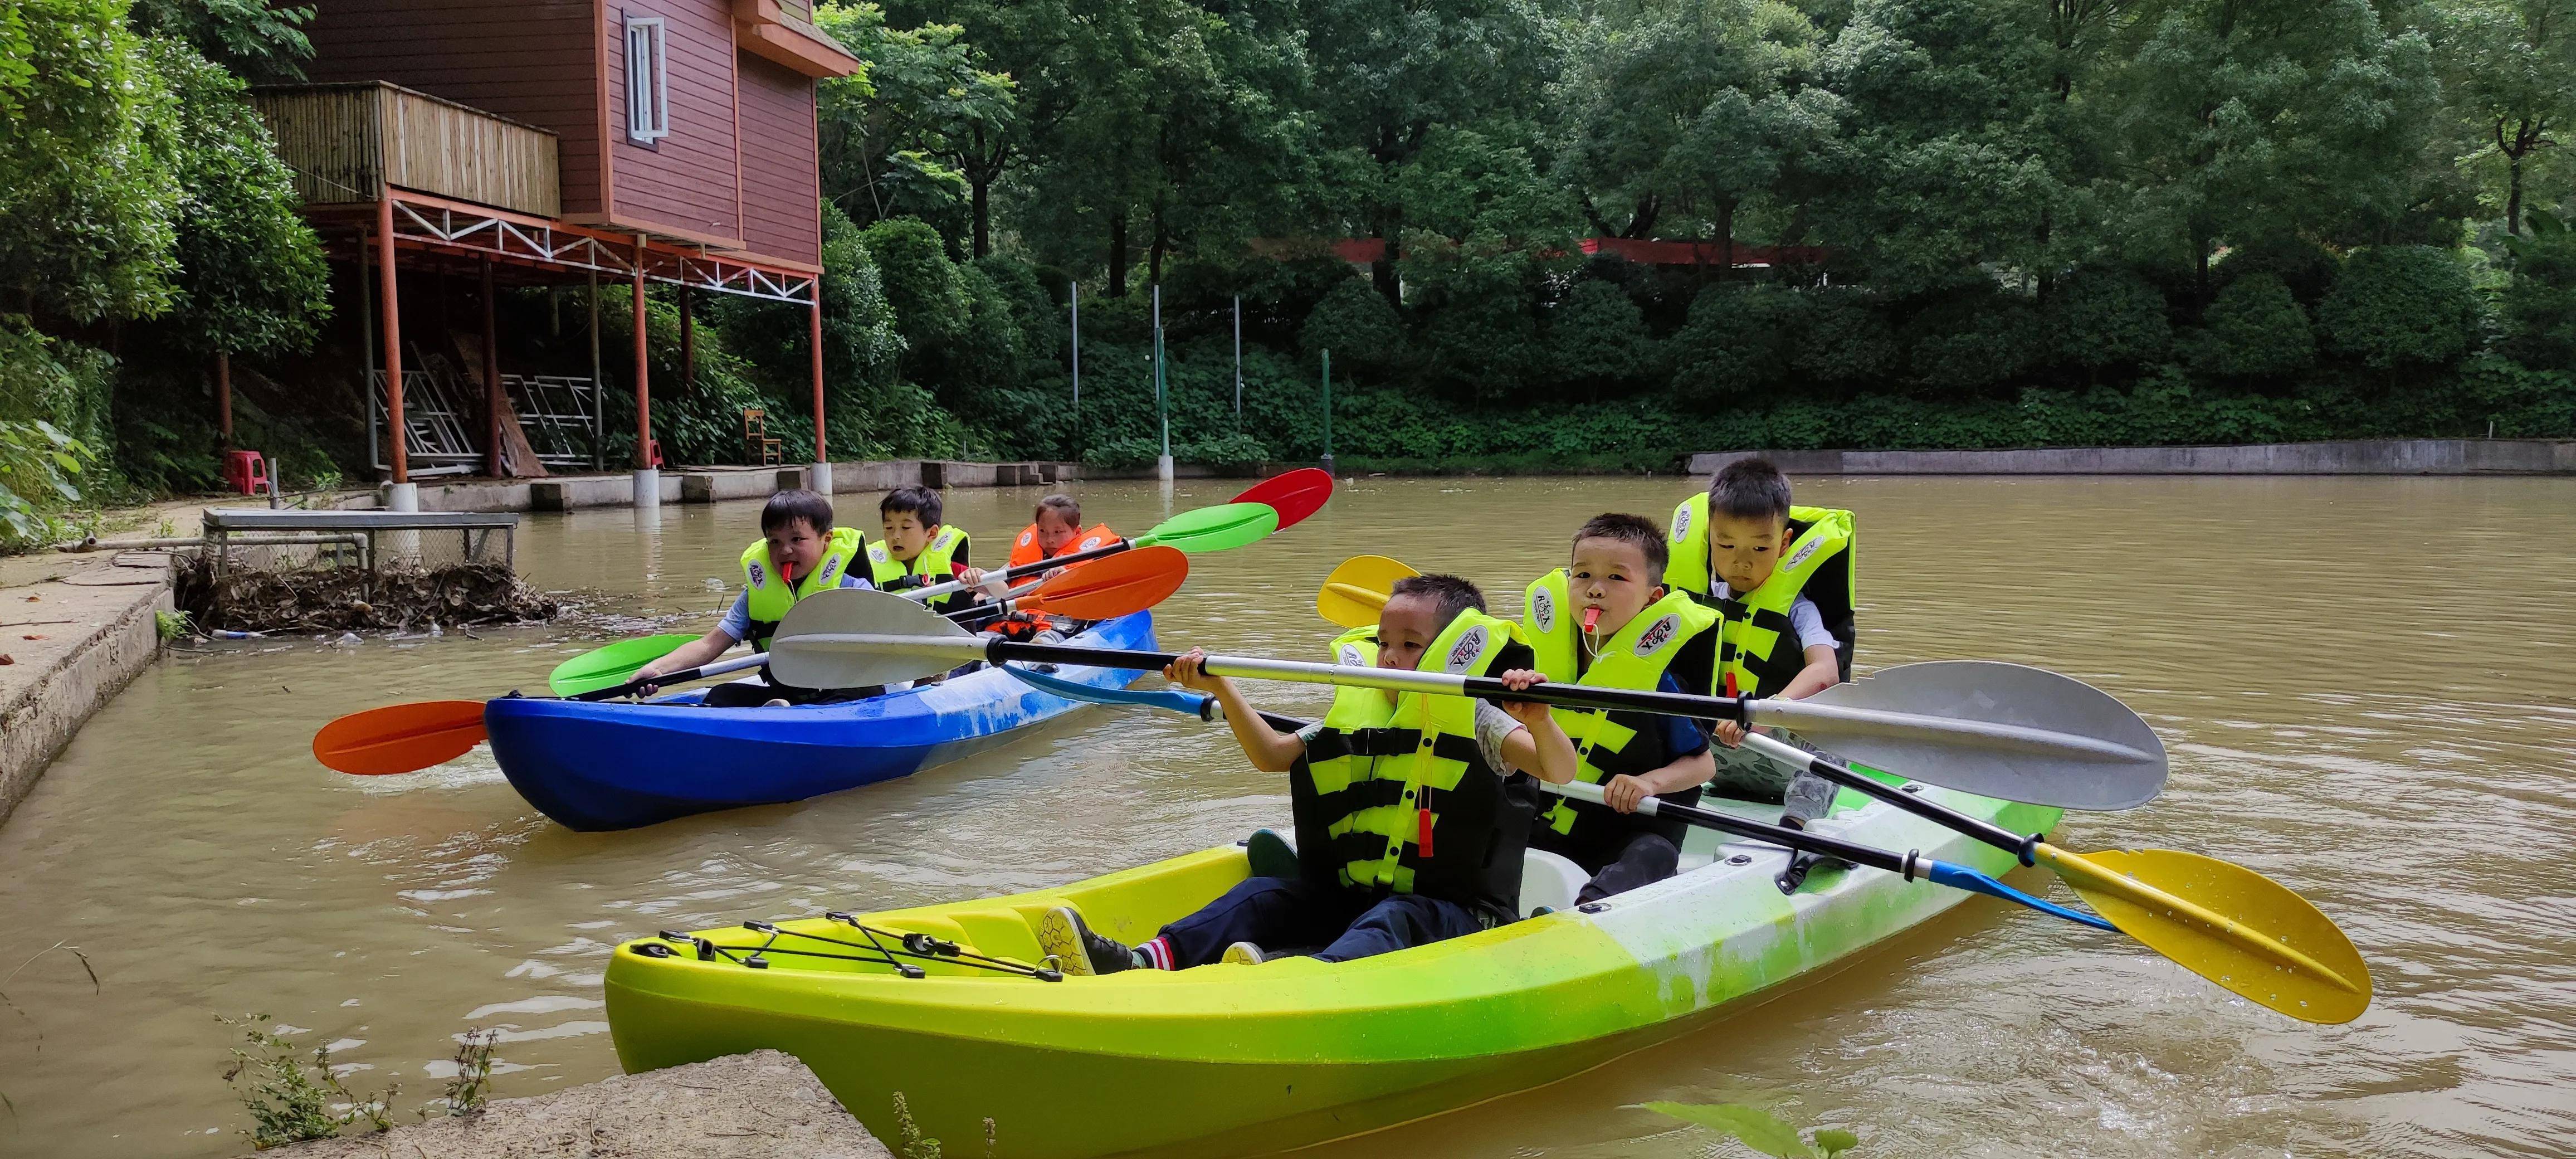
[400, 738]
[1130, 581]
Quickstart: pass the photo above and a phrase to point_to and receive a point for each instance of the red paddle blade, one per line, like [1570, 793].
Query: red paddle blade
[400, 738]
[1295, 495]
[1130, 581]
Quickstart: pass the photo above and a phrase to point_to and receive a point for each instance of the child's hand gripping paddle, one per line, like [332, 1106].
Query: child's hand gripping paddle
[404, 738]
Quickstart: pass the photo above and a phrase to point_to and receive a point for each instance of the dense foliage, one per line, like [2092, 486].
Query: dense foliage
[2002, 223]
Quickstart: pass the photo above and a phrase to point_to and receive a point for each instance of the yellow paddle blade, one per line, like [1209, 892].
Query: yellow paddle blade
[1356, 591]
[2226, 923]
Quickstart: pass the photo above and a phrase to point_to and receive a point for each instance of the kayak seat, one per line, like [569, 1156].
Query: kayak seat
[1549, 881]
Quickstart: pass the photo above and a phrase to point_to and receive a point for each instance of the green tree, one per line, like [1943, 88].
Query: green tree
[2100, 318]
[87, 197]
[2539, 304]
[892, 136]
[250, 275]
[253, 38]
[2511, 65]
[1354, 320]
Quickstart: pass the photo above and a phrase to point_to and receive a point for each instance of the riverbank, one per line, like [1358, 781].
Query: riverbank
[2347, 457]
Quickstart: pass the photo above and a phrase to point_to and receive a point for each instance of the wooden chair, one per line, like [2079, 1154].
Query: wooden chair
[763, 450]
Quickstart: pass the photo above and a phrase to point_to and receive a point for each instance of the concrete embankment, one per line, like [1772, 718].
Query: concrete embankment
[762, 1105]
[716, 484]
[2351, 457]
[74, 630]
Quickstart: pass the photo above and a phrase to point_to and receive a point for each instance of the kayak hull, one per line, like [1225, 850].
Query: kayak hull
[598, 766]
[1250, 1059]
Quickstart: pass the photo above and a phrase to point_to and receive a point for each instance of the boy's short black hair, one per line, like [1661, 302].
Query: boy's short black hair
[793, 506]
[921, 501]
[1449, 594]
[1635, 530]
[1749, 489]
[1064, 505]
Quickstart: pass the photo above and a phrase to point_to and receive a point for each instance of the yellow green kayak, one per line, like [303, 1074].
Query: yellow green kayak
[963, 1022]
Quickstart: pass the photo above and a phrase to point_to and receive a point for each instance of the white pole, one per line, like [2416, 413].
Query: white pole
[1238, 356]
[1163, 465]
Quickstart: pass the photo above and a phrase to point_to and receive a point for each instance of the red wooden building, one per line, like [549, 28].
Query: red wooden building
[546, 142]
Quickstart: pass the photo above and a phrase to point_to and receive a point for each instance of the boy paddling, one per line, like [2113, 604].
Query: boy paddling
[1607, 621]
[1409, 828]
[799, 553]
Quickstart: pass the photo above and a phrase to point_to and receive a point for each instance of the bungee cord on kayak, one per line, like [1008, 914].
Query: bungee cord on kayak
[916, 946]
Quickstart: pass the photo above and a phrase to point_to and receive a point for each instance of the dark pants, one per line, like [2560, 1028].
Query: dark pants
[1646, 859]
[1286, 913]
[1619, 859]
[744, 694]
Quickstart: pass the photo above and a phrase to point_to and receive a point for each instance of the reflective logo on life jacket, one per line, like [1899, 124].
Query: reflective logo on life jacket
[1350, 656]
[1657, 635]
[1805, 550]
[1681, 523]
[758, 577]
[830, 565]
[1470, 646]
[1543, 610]
[1092, 542]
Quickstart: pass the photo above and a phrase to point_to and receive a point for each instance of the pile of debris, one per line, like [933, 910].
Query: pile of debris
[401, 597]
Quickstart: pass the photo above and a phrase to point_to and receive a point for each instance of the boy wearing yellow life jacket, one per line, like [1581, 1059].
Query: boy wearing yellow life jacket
[1410, 826]
[1780, 578]
[799, 553]
[918, 550]
[1608, 621]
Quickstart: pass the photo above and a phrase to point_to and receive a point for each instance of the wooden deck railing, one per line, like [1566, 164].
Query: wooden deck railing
[346, 142]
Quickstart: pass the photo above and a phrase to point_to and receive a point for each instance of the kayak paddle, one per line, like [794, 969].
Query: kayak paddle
[1294, 495]
[1356, 591]
[2144, 893]
[2065, 749]
[613, 664]
[1220, 528]
[2277, 951]
[404, 738]
[1130, 581]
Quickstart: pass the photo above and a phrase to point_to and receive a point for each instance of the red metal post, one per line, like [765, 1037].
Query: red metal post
[224, 398]
[392, 308]
[817, 343]
[643, 374]
[491, 380]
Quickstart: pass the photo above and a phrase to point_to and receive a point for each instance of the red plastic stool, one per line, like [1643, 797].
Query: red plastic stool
[247, 472]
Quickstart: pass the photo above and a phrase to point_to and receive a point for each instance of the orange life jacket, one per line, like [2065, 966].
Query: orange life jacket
[1024, 550]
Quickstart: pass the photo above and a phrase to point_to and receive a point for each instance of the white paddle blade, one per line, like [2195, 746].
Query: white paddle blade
[854, 638]
[1997, 730]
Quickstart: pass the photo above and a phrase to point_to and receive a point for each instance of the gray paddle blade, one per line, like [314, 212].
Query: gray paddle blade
[854, 638]
[2003, 730]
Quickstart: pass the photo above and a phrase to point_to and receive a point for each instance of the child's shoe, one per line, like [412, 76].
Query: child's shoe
[1076, 950]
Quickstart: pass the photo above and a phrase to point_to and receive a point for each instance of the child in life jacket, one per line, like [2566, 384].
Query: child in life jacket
[1607, 621]
[799, 553]
[918, 549]
[1410, 826]
[1055, 529]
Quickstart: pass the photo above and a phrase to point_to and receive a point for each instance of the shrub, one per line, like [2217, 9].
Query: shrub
[929, 299]
[2106, 317]
[1737, 342]
[1357, 323]
[2254, 330]
[1846, 338]
[2308, 269]
[2539, 303]
[2401, 306]
[1973, 339]
[1596, 337]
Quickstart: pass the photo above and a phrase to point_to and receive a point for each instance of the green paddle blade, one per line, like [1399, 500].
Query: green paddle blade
[611, 666]
[1220, 528]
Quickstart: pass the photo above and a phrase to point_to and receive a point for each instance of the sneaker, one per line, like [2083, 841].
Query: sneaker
[1270, 854]
[1076, 950]
[1243, 954]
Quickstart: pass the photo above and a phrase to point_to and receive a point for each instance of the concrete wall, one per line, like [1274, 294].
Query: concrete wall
[2351, 457]
[710, 485]
[60, 673]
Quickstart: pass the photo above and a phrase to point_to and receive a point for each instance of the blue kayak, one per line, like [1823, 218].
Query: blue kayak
[598, 766]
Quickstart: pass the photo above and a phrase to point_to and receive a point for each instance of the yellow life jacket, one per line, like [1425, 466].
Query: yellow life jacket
[1395, 796]
[1636, 656]
[771, 596]
[933, 566]
[1758, 646]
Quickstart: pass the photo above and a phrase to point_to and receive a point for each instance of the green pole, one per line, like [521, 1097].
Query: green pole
[1328, 411]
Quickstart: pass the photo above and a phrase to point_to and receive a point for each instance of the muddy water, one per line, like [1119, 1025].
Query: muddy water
[2368, 685]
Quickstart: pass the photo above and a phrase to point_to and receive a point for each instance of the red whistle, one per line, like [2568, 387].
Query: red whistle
[1422, 839]
[1591, 619]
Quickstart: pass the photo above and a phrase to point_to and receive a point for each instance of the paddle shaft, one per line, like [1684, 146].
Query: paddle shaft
[683, 676]
[1791, 756]
[952, 587]
[1836, 719]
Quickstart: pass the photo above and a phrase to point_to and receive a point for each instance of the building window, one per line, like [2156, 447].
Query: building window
[648, 89]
